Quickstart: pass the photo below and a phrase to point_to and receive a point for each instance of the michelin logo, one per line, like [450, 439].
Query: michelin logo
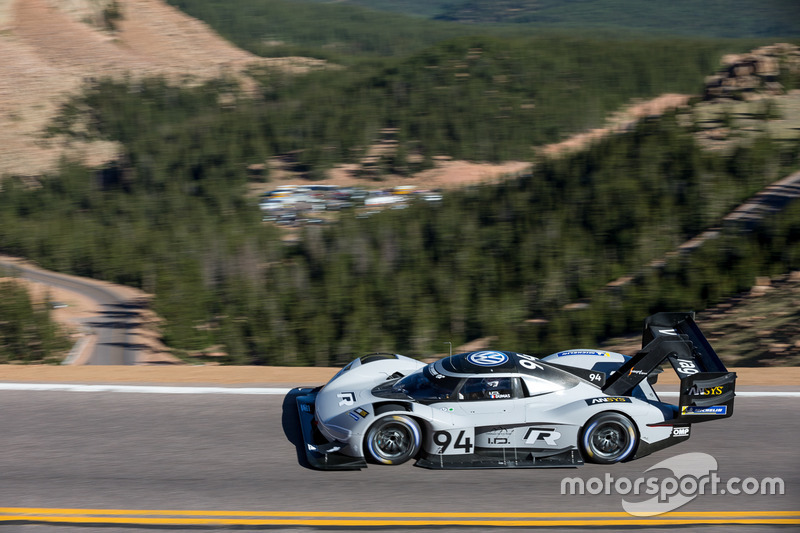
[583, 352]
[713, 410]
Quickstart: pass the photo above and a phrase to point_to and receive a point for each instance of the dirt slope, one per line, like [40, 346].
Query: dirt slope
[49, 48]
[272, 376]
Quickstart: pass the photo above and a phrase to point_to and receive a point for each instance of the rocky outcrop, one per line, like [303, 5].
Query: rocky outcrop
[755, 73]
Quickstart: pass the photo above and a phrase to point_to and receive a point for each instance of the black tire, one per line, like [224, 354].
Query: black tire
[393, 440]
[609, 438]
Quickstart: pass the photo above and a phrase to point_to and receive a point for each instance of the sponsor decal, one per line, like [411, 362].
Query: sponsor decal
[583, 352]
[354, 416]
[346, 398]
[487, 358]
[499, 436]
[695, 410]
[547, 435]
[680, 431]
[494, 395]
[361, 412]
[694, 390]
[637, 372]
[609, 399]
[305, 407]
[686, 367]
[500, 431]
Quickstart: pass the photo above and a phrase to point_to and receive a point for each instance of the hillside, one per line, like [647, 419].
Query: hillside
[49, 48]
[733, 18]
[171, 217]
[760, 327]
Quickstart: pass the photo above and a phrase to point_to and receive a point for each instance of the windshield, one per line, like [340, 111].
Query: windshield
[427, 386]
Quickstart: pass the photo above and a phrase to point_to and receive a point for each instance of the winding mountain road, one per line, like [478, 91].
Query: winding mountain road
[771, 199]
[108, 332]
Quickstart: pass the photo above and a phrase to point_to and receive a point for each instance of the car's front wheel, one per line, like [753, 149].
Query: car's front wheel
[393, 440]
[609, 438]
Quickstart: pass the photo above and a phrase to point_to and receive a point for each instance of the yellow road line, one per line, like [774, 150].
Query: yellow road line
[368, 519]
[384, 523]
[378, 514]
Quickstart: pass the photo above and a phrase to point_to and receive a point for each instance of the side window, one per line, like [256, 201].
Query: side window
[489, 388]
[533, 386]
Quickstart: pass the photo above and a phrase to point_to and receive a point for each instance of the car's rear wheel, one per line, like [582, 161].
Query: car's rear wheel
[393, 440]
[609, 438]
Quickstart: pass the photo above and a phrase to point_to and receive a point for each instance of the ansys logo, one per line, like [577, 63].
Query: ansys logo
[694, 390]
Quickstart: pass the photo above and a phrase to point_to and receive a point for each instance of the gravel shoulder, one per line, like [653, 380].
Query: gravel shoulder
[280, 376]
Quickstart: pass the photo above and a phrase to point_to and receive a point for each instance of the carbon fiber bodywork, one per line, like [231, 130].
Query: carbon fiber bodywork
[512, 458]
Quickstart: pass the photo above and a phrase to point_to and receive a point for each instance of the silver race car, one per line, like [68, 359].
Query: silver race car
[498, 409]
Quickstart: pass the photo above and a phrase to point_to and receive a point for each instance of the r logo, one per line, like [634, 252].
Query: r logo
[346, 398]
[549, 435]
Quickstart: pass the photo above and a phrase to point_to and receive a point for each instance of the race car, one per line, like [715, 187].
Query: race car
[503, 409]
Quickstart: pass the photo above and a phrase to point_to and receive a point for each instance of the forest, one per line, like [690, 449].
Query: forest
[27, 334]
[381, 27]
[484, 263]
[172, 216]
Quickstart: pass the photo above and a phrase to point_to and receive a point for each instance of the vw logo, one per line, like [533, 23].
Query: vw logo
[487, 358]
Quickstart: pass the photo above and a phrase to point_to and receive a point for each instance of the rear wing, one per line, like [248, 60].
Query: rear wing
[707, 388]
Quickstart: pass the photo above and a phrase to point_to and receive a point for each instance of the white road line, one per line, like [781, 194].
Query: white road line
[753, 394]
[156, 389]
[140, 389]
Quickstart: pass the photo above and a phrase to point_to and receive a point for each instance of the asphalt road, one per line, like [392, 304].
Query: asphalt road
[214, 452]
[110, 326]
